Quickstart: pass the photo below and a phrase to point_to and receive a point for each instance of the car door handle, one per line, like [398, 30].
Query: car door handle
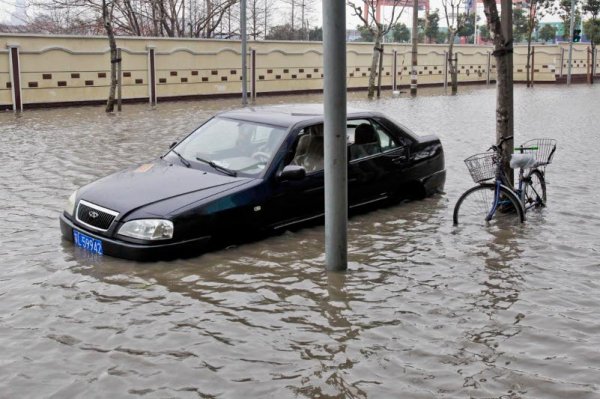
[399, 159]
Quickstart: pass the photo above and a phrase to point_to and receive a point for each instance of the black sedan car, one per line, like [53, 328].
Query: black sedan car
[243, 172]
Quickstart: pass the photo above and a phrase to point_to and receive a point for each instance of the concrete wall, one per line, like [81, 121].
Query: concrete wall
[64, 69]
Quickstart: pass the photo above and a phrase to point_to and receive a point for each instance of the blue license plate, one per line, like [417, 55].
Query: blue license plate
[86, 242]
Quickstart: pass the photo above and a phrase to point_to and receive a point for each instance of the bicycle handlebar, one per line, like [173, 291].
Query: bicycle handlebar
[496, 147]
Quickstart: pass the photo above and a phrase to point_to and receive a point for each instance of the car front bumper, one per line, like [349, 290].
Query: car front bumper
[139, 252]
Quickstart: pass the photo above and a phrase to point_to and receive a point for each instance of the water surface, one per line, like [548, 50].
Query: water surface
[425, 310]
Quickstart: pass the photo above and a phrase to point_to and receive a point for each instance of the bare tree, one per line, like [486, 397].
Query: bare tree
[257, 17]
[107, 13]
[503, 49]
[307, 8]
[452, 13]
[377, 28]
[173, 18]
[536, 11]
[294, 7]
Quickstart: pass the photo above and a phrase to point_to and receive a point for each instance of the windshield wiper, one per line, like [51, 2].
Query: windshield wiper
[183, 160]
[218, 167]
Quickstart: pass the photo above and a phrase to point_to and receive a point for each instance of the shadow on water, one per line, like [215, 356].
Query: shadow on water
[501, 282]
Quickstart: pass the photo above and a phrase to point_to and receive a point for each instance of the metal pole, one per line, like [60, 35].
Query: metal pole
[562, 60]
[415, 37]
[489, 66]
[253, 76]
[445, 70]
[532, 65]
[395, 70]
[244, 52]
[119, 81]
[15, 77]
[336, 163]
[571, 42]
[152, 96]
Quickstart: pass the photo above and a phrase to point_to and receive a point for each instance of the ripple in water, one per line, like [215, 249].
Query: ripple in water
[425, 310]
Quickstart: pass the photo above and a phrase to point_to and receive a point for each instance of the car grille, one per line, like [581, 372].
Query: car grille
[95, 216]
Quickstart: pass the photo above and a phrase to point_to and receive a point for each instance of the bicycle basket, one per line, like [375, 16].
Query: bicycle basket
[482, 166]
[545, 152]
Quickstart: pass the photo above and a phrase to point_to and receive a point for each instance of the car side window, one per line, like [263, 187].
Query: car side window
[368, 138]
[309, 152]
[387, 143]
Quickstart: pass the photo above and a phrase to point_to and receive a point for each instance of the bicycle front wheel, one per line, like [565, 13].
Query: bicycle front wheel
[535, 190]
[476, 204]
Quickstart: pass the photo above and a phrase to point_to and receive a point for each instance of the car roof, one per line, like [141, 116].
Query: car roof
[286, 115]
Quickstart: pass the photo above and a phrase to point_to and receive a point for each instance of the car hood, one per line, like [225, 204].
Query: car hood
[149, 183]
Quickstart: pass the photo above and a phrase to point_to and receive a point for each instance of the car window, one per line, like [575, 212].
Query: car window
[351, 125]
[309, 152]
[368, 138]
[241, 146]
[261, 134]
[386, 141]
[365, 138]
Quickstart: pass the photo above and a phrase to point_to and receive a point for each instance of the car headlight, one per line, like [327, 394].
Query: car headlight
[148, 229]
[70, 205]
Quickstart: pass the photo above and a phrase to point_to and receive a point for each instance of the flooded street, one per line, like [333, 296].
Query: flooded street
[425, 310]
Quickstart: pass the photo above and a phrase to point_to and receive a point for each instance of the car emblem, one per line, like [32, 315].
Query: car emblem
[93, 214]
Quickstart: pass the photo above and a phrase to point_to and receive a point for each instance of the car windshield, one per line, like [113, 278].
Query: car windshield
[233, 145]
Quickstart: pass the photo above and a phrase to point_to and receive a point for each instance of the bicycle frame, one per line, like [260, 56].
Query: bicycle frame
[500, 181]
[490, 215]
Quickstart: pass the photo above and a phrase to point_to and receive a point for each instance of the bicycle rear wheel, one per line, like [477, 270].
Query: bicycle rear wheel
[535, 190]
[475, 204]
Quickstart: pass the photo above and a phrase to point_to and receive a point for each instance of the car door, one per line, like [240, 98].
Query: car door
[375, 161]
[295, 201]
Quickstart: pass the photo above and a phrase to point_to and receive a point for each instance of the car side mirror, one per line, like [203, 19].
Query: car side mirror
[173, 144]
[292, 172]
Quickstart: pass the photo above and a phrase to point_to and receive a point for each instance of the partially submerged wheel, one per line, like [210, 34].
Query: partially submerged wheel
[475, 205]
[535, 190]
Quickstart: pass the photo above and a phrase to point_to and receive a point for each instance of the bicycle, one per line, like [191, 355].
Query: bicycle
[498, 200]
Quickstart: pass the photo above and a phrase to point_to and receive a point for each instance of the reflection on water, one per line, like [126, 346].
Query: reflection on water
[426, 310]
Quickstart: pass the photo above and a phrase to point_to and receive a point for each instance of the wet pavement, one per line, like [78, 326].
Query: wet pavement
[425, 310]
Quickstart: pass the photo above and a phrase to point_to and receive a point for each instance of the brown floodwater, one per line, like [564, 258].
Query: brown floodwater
[425, 310]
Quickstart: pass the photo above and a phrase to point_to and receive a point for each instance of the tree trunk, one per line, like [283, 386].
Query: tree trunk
[254, 27]
[452, 62]
[380, 71]
[154, 18]
[374, 63]
[293, 7]
[504, 82]
[209, 16]
[529, 35]
[110, 103]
